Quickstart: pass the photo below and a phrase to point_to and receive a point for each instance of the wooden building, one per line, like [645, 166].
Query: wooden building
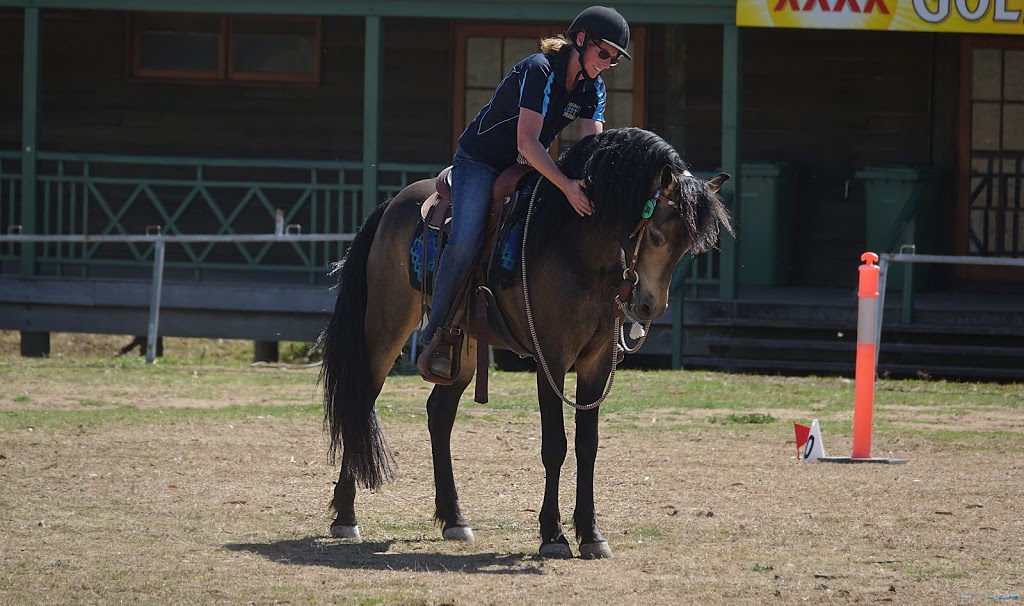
[214, 118]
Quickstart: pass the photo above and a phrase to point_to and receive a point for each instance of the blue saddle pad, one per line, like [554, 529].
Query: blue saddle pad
[504, 261]
[423, 255]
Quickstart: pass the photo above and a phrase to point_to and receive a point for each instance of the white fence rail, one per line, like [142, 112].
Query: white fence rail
[160, 242]
[907, 255]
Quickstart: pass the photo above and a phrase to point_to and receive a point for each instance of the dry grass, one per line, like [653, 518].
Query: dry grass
[121, 483]
[79, 345]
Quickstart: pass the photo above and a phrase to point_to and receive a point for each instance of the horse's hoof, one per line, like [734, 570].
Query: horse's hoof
[596, 551]
[559, 551]
[458, 533]
[344, 531]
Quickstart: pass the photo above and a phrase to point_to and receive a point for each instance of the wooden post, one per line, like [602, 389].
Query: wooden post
[35, 344]
[265, 351]
[732, 110]
[30, 116]
[675, 87]
[372, 61]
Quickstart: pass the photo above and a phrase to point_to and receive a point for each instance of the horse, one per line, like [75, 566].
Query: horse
[648, 212]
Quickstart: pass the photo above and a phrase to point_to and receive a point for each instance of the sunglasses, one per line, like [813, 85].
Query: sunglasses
[605, 55]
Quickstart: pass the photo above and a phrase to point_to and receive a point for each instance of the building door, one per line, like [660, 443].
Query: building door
[990, 209]
[485, 52]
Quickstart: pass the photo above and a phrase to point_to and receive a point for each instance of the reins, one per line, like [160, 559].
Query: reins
[630, 278]
[629, 281]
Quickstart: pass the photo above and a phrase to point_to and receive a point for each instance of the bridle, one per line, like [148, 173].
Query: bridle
[629, 276]
[619, 309]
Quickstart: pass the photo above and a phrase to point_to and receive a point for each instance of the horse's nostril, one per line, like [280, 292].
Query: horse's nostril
[645, 311]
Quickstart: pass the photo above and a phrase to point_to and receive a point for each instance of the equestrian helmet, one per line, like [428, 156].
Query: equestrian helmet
[605, 24]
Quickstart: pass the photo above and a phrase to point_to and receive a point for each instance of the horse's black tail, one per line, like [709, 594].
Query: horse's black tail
[349, 414]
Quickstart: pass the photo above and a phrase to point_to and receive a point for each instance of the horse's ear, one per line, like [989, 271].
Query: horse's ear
[668, 178]
[716, 182]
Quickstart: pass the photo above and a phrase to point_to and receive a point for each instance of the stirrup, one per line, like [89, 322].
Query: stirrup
[440, 361]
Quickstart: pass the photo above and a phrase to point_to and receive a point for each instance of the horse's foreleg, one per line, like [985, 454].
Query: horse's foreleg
[552, 452]
[442, 407]
[592, 542]
[592, 374]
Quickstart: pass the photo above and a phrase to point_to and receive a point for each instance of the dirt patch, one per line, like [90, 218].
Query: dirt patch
[234, 511]
[196, 483]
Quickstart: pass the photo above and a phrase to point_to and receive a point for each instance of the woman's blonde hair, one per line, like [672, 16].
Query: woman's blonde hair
[555, 45]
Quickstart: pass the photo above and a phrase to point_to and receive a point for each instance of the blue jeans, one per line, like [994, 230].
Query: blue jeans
[472, 182]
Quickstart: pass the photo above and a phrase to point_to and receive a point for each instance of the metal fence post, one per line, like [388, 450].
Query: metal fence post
[883, 269]
[154, 300]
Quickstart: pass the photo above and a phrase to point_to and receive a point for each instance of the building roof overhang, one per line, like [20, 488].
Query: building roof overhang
[639, 11]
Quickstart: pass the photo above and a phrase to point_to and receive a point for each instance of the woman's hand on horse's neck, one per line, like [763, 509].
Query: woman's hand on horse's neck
[528, 142]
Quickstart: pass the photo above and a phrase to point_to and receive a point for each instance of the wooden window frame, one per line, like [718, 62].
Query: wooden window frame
[963, 172]
[225, 71]
[464, 31]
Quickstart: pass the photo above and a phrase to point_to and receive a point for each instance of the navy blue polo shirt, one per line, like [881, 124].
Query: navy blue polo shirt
[537, 83]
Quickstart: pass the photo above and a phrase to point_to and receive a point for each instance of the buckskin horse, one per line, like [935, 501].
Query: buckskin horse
[579, 275]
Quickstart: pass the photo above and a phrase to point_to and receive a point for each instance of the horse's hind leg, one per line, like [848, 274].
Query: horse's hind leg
[344, 525]
[382, 348]
[442, 406]
[391, 315]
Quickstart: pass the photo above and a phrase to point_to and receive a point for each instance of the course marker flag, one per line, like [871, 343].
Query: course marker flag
[814, 450]
[802, 431]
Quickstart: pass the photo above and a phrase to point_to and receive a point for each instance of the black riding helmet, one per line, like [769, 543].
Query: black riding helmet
[602, 23]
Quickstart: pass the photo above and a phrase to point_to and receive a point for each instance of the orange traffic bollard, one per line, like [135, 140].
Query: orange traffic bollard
[864, 391]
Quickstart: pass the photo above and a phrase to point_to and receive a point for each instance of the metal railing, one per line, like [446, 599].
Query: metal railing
[159, 243]
[120, 195]
[906, 255]
[10, 187]
[690, 274]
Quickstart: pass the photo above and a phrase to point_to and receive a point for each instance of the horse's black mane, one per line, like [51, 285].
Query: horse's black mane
[620, 165]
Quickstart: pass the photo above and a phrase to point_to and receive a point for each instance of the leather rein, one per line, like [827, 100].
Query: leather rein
[619, 308]
[629, 276]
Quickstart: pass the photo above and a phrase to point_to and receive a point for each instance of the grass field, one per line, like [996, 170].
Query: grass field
[203, 479]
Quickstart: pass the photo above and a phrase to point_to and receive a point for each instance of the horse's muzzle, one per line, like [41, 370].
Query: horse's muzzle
[646, 308]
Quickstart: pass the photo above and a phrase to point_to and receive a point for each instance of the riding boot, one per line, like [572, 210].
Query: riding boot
[440, 361]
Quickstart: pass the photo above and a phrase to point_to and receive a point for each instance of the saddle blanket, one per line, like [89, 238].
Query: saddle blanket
[425, 249]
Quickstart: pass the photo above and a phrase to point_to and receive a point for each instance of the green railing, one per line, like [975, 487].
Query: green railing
[690, 275]
[693, 276]
[10, 189]
[79, 194]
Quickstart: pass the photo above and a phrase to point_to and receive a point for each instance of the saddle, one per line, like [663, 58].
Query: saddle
[436, 209]
[436, 214]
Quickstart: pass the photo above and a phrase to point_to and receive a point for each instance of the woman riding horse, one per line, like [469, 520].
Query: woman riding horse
[538, 98]
[576, 275]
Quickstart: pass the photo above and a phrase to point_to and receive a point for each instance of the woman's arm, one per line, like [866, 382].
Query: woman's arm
[528, 142]
[590, 127]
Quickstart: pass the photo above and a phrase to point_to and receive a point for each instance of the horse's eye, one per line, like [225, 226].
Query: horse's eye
[657, 238]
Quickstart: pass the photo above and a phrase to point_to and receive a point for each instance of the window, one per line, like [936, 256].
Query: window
[242, 48]
[485, 53]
